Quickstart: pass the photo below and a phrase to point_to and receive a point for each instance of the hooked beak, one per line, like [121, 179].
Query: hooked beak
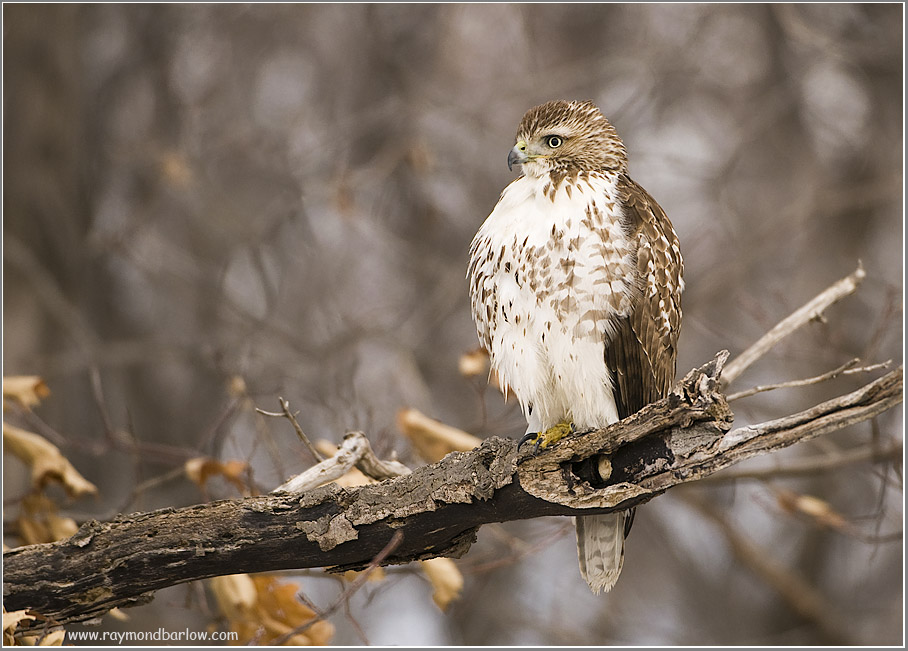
[518, 155]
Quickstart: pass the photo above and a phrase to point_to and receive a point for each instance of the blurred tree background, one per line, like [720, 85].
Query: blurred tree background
[209, 206]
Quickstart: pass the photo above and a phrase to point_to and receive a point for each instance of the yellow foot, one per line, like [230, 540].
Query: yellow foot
[549, 437]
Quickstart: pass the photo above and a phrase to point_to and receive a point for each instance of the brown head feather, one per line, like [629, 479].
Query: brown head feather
[589, 141]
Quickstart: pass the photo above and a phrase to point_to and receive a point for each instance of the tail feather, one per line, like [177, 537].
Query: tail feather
[600, 549]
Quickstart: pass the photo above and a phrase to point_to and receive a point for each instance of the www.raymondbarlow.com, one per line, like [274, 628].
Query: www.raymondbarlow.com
[160, 635]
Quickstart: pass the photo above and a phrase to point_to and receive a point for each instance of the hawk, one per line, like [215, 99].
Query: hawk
[575, 286]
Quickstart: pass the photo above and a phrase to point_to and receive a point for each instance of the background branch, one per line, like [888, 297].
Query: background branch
[797, 592]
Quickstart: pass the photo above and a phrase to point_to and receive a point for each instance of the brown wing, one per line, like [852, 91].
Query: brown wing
[641, 354]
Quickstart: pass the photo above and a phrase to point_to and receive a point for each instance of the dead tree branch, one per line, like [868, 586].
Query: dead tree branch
[890, 453]
[355, 452]
[437, 508]
[845, 369]
[813, 309]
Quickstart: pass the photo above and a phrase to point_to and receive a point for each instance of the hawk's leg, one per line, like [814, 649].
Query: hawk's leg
[549, 437]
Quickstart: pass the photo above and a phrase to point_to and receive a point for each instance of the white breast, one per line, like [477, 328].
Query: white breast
[549, 269]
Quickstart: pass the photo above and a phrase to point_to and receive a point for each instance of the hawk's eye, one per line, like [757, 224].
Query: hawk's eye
[554, 141]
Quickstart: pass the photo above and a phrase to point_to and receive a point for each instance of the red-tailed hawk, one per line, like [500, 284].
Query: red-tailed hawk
[575, 284]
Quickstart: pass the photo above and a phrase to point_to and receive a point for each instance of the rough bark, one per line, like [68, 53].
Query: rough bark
[438, 507]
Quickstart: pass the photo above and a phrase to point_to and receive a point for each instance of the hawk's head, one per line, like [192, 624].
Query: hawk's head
[567, 137]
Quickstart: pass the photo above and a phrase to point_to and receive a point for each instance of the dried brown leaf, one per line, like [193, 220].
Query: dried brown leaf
[446, 579]
[288, 612]
[474, 363]
[39, 521]
[11, 620]
[262, 609]
[235, 594]
[820, 511]
[27, 390]
[54, 638]
[376, 575]
[46, 461]
[431, 438]
[201, 469]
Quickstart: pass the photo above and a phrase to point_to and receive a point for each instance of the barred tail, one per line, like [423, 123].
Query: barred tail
[600, 549]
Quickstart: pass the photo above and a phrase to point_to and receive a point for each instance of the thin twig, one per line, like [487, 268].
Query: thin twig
[97, 391]
[355, 624]
[153, 482]
[35, 423]
[844, 369]
[812, 310]
[812, 466]
[286, 413]
[396, 539]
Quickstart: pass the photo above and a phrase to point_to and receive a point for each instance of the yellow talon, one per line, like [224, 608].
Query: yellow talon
[549, 437]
